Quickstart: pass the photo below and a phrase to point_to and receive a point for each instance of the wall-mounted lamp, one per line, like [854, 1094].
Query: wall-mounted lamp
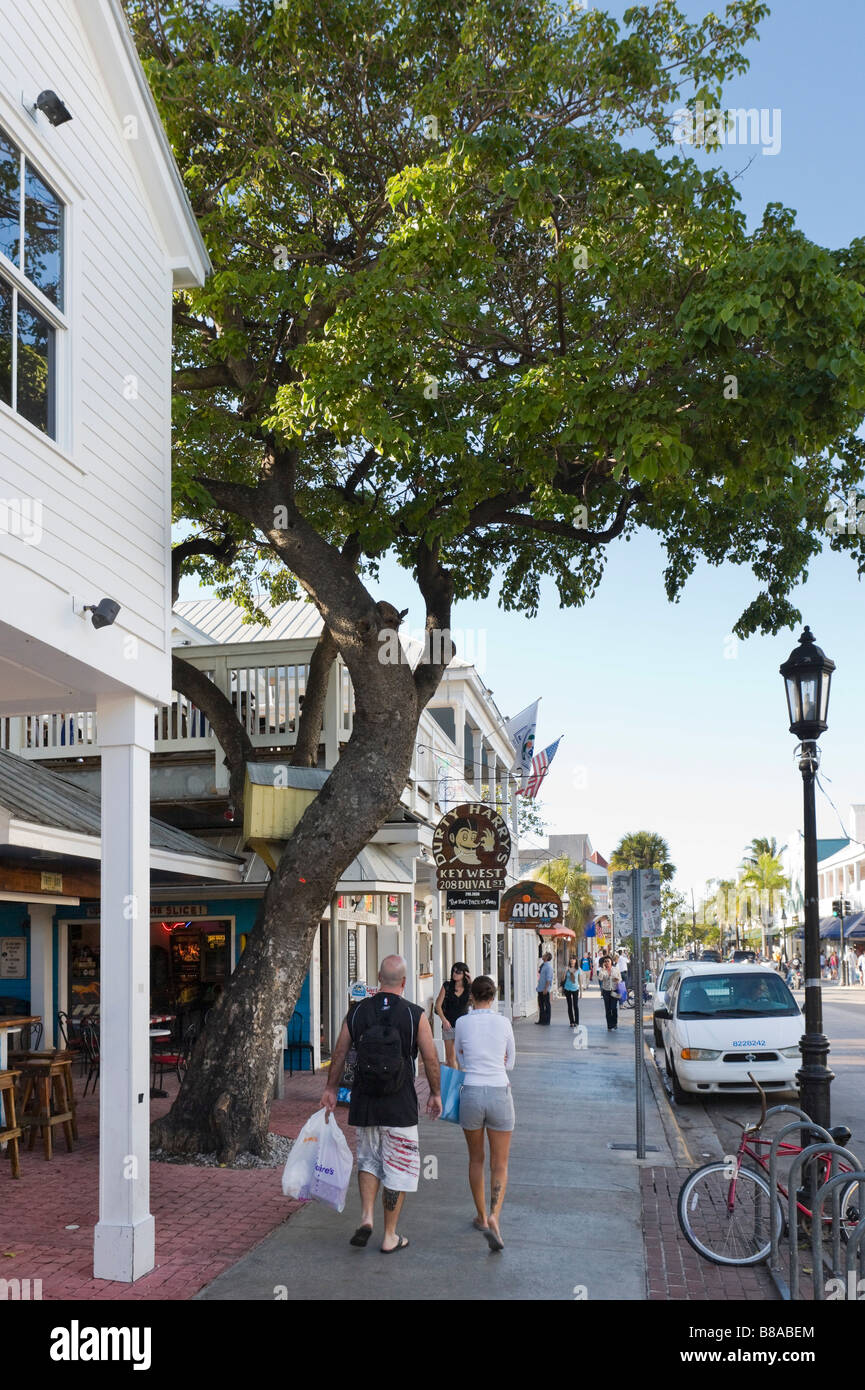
[52, 107]
[102, 614]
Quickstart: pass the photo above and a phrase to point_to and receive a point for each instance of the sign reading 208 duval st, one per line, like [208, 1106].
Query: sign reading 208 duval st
[471, 849]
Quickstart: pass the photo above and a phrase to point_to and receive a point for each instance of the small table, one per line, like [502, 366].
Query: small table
[7, 1026]
[157, 1033]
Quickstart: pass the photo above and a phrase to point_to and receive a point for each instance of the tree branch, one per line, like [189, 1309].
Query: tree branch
[224, 719]
[224, 551]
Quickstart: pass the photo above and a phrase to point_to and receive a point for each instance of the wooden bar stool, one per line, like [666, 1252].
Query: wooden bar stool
[44, 1102]
[10, 1133]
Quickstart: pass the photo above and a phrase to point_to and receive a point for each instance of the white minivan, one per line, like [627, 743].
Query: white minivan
[721, 1022]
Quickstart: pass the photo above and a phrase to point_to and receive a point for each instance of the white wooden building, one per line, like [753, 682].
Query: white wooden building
[95, 234]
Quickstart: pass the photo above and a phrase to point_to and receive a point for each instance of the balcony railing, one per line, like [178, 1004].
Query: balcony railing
[268, 697]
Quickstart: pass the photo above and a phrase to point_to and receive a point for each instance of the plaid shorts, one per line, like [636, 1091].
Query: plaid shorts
[391, 1155]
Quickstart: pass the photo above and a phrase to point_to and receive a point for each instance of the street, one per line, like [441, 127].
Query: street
[709, 1124]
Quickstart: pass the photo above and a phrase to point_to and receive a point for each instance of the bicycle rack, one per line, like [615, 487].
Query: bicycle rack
[834, 1187]
[804, 1122]
[817, 1198]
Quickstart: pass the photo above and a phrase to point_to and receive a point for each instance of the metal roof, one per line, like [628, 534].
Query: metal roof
[32, 793]
[224, 621]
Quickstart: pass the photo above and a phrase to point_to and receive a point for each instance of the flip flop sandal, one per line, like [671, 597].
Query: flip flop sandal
[494, 1242]
[403, 1245]
[361, 1235]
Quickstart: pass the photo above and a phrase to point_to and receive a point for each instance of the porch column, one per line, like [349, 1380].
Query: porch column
[494, 949]
[41, 971]
[437, 959]
[460, 937]
[508, 1009]
[478, 947]
[125, 1234]
[333, 965]
[408, 943]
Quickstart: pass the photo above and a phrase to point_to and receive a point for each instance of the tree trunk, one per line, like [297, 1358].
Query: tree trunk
[305, 752]
[224, 1100]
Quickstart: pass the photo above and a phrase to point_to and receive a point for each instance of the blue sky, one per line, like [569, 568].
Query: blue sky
[668, 723]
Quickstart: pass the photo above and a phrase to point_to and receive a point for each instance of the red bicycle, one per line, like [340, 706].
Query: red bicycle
[725, 1208]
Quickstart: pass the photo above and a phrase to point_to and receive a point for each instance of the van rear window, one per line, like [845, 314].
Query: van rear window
[735, 996]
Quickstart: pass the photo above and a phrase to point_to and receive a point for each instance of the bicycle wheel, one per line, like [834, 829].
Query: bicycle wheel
[740, 1235]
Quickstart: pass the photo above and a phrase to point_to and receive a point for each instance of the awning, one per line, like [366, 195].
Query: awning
[556, 931]
[376, 870]
[854, 928]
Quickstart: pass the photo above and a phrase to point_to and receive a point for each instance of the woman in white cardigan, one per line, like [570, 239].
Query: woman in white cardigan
[486, 1051]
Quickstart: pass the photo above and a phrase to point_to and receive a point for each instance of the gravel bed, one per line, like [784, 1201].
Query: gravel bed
[280, 1148]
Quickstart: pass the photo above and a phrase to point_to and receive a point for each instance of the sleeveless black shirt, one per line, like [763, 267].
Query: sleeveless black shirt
[399, 1111]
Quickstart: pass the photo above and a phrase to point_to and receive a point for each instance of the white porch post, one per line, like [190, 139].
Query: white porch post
[124, 1238]
[460, 937]
[333, 963]
[408, 943]
[478, 938]
[494, 949]
[437, 960]
[41, 959]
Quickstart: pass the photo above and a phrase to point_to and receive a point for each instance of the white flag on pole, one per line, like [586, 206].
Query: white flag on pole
[521, 732]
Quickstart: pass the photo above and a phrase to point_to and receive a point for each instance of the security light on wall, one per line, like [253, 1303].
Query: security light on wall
[102, 614]
[52, 107]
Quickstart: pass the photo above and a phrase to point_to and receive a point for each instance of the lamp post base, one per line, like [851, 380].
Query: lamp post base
[814, 1078]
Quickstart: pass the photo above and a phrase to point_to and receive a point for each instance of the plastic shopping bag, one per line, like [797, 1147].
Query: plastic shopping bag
[451, 1084]
[622, 991]
[332, 1168]
[299, 1170]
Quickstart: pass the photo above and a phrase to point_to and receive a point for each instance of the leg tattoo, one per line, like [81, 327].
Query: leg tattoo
[496, 1194]
[389, 1199]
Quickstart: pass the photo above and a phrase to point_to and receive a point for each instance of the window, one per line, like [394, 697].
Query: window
[31, 258]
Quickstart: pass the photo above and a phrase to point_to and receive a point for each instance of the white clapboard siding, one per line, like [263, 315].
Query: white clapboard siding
[104, 487]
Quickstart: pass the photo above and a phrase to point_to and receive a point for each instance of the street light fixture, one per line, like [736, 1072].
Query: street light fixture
[807, 676]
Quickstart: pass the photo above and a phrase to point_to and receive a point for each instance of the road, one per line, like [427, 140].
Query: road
[708, 1123]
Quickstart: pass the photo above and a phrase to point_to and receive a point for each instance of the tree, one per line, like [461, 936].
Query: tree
[760, 846]
[766, 876]
[531, 817]
[642, 849]
[456, 317]
[565, 876]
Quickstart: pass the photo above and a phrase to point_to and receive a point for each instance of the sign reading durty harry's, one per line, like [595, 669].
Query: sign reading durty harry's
[531, 904]
[471, 849]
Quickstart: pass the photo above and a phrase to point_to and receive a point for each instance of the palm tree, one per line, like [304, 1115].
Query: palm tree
[643, 849]
[759, 846]
[567, 877]
[766, 875]
[726, 889]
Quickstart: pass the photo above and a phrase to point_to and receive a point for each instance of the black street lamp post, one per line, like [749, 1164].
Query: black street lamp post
[807, 676]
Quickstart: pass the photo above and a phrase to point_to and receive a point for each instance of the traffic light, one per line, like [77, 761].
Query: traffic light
[842, 907]
[848, 908]
[837, 907]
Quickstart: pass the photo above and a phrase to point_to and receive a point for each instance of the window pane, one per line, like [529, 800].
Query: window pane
[43, 237]
[10, 198]
[5, 343]
[35, 368]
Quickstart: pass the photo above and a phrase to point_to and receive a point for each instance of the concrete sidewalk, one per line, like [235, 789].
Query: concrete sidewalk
[572, 1220]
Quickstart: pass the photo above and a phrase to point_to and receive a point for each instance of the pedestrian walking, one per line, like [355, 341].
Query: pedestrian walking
[860, 966]
[623, 965]
[850, 962]
[486, 1052]
[571, 986]
[387, 1032]
[451, 1004]
[609, 979]
[585, 973]
[545, 984]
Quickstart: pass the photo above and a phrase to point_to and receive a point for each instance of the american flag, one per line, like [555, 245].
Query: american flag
[540, 768]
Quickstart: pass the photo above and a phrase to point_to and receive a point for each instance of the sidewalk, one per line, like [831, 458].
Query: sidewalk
[572, 1219]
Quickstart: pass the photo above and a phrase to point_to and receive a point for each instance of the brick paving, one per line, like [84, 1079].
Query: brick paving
[206, 1218]
[674, 1271]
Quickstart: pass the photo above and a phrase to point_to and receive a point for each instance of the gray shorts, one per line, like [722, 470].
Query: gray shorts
[487, 1107]
[448, 1033]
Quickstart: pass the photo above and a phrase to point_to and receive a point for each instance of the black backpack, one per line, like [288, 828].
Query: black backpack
[381, 1062]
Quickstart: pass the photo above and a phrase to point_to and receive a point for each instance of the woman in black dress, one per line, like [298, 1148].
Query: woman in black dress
[451, 1004]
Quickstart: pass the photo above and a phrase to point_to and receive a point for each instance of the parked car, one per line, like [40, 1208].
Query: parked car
[744, 955]
[712, 955]
[666, 974]
[720, 1022]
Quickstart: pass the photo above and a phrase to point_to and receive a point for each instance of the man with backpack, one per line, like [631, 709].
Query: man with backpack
[387, 1033]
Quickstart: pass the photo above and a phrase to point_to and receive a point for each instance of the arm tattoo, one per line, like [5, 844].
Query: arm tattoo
[496, 1194]
[389, 1199]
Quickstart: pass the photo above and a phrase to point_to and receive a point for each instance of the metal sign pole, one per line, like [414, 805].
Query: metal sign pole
[637, 972]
